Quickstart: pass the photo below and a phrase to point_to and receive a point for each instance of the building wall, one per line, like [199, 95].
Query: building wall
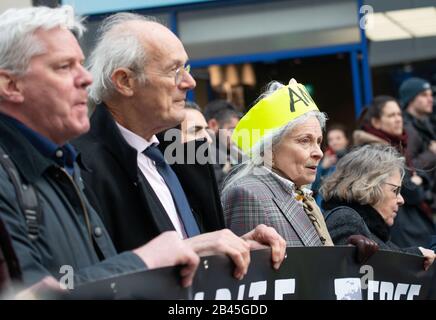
[6, 4]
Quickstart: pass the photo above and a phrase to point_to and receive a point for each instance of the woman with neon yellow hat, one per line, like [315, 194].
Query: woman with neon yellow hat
[282, 133]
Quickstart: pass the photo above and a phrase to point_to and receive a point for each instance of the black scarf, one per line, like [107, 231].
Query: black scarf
[372, 218]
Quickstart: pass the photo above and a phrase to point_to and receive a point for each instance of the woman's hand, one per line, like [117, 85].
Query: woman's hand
[429, 256]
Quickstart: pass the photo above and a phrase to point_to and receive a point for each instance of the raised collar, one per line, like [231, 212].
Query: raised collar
[372, 218]
[64, 156]
[28, 159]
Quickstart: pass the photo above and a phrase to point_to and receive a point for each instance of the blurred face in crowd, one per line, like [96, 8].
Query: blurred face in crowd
[392, 199]
[194, 126]
[298, 153]
[162, 97]
[226, 130]
[54, 88]
[422, 104]
[391, 119]
[337, 140]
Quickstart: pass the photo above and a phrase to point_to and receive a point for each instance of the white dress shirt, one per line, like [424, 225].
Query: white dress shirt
[148, 169]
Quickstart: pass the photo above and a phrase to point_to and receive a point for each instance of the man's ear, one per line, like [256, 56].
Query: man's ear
[213, 125]
[123, 80]
[9, 88]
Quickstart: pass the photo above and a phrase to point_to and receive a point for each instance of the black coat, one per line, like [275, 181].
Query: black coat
[420, 134]
[346, 219]
[123, 197]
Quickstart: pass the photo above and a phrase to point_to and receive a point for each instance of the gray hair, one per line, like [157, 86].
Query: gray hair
[360, 174]
[17, 27]
[117, 46]
[264, 147]
[192, 105]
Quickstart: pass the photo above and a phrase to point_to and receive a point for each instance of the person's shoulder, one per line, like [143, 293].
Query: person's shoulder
[409, 120]
[250, 186]
[342, 214]
[90, 148]
[251, 182]
[86, 141]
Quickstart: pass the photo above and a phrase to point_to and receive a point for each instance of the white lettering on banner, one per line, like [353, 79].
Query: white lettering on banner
[413, 291]
[351, 289]
[372, 287]
[241, 292]
[223, 294]
[345, 289]
[256, 289]
[384, 290]
[199, 296]
[284, 286]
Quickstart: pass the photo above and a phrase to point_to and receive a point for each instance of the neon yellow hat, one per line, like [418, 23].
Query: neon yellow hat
[272, 112]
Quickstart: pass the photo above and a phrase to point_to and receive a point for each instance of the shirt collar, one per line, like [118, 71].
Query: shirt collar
[288, 184]
[135, 141]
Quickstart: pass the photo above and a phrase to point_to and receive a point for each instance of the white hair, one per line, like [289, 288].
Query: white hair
[17, 27]
[266, 144]
[117, 46]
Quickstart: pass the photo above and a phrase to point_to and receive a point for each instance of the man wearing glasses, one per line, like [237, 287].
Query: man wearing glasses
[140, 85]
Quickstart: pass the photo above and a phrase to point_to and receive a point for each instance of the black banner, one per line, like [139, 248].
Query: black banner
[327, 273]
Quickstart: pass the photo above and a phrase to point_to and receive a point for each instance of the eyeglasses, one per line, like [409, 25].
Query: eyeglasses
[397, 189]
[178, 75]
[180, 72]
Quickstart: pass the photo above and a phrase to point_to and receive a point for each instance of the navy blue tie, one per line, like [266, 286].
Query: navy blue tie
[177, 192]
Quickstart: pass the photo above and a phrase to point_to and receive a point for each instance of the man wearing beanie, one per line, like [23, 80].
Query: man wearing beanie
[416, 98]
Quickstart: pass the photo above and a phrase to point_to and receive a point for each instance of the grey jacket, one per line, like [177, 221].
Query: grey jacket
[264, 199]
[70, 231]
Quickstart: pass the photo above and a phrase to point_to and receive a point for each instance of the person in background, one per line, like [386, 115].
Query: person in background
[222, 118]
[337, 144]
[363, 197]
[382, 123]
[194, 126]
[416, 98]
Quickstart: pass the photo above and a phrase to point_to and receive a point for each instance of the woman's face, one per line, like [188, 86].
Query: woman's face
[298, 153]
[392, 199]
[391, 120]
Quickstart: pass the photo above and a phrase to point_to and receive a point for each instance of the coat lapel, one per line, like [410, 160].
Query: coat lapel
[299, 221]
[292, 211]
